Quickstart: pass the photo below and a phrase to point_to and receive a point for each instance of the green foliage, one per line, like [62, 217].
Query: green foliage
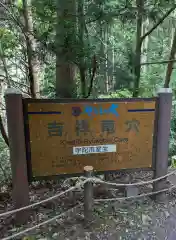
[5, 170]
[48, 88]
[173, 162]
[124, 93]
[19, 4]
[8, 41]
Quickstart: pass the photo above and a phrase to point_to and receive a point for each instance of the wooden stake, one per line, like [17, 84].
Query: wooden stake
[20, 193]
[88, 195]
[162, 140]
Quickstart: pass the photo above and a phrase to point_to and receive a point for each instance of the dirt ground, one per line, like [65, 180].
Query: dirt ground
[133, 219]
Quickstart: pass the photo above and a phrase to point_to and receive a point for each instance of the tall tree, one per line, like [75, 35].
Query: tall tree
[33, 64]
[140, 39]
[137, 60]
[171, 63]
[65, 48]
[81, 37]
[145, 44]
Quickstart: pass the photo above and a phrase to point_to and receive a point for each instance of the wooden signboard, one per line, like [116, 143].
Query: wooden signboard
[63, 137]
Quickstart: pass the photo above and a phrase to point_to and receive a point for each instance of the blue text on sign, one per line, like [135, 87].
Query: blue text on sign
[91, 110]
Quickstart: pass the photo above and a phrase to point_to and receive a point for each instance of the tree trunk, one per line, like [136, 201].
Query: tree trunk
[110, 59]
[101, 86]
[2, 88]
[113, 68]
[65, 48]
[145, 45]
[106, 32]
[140, 39]
[170, 64]
[4, 63]
[81, 31]
[137, 67]
[33, 64]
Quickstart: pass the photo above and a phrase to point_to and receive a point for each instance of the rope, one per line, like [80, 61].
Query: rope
[97, 180]
[43, 201]
[132, 197]
[39, 225]
[96, 201]
[78, 185]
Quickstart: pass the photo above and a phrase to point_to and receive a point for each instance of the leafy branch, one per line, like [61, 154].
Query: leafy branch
[170, 64]
[158, 62]
[161, 20]
[22, 28]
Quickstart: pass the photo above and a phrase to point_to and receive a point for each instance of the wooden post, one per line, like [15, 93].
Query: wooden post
[88, 195]
[162, 140]
[20, 194]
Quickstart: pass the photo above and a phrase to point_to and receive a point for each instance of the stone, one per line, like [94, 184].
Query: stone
[131, 191]
[160, 233]
[172, 235]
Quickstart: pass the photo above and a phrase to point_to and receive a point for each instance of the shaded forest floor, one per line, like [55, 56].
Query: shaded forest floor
[132, 219]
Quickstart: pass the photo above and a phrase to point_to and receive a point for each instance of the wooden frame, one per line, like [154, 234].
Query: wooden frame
[27, 134]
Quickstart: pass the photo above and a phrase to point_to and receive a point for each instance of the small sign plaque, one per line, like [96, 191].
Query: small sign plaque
[94, 149]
